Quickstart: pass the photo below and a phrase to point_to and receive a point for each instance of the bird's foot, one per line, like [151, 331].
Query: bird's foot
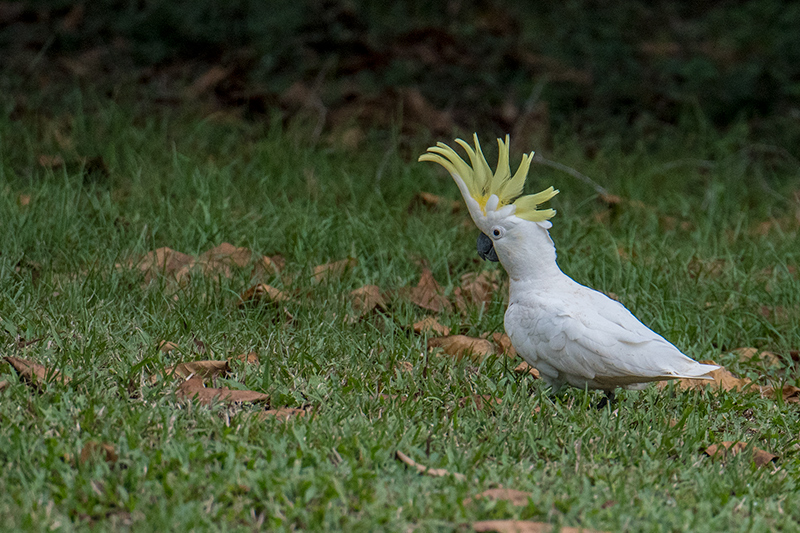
[608, 399]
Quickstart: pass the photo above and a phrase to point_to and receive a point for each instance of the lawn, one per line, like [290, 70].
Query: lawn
[701, 243]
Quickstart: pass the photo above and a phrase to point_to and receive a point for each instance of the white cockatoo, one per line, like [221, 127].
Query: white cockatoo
[571, 334]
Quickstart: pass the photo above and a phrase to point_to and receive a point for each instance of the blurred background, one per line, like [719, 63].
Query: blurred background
[632, 70]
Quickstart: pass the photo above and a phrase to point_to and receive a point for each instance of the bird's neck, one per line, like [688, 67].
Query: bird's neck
[530, 256]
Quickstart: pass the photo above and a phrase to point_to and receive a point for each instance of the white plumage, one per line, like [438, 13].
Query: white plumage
[572, 334]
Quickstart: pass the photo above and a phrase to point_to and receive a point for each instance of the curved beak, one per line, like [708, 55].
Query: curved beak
[486, 248]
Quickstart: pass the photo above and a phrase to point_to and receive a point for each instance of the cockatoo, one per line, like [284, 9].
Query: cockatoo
[571, 334]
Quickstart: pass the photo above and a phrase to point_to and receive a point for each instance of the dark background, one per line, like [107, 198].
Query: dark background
[633, 69]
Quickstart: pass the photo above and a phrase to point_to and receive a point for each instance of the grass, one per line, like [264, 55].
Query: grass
[682, 252]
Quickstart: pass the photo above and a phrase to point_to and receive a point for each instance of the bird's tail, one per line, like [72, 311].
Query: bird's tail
[698, 371]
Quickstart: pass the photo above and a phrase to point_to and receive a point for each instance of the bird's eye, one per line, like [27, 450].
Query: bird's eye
[498, 232]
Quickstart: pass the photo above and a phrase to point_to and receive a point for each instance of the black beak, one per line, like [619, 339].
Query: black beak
[486, 248]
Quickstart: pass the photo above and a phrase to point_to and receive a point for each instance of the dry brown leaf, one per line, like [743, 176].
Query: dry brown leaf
[722, 379]
[23, 200]
[525, 368]
[428, 293]
[167, 346]
[405, 366]
[222, 259]
[4, 385]
[164, 261]
[523, 526]
[706, 267]
[721, 451]
[789, 393]
[503, 342]
[282, 413]
[434, 201]
[35, 374]
[430, 324]
[419, 109]
[476, 290]
[210, 79]
[266, 267]
[202, 369]
[461, 345]
[367, 298]
[263, 293]
[756, 355]
[513, 496]
[332, 270]
[480, 401]
[422, 469]
[193, 389]
[390, 397]
[104, 450]
[248, 358]
[51, 161]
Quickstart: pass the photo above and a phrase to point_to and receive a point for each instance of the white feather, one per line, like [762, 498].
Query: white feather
[572, 334]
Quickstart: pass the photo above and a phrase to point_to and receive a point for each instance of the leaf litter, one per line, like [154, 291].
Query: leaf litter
[513, 496]
[35, 374]
[728, 448]
[193, 389]
[422, 469]
[523, 526]
[427, 294]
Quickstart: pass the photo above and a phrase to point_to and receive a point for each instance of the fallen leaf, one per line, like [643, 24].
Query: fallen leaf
[721, 451]
[248, 358]
[706, 267]
[335, 269]
[419, 109]
[525, 368]
[515, 497]
[405, 366]
[434, 201]
[202, 369]
[167, 346]
[461, 345]
[503, 342]
[476, 290]
[263, 293]
[367, 298]
[755, 355]
[435, 472]
[480, 401]
[390, 397]
[283, 413]
[51, 161]
[610, 200]
[430, 324]
[210, 79]
[165, 261]
[105, 450]
[23, 199]
[428, 293]
[193, 389]
[222, 259]
[265, 267]
[722, 379]
[789, 393]
[35, 374]
[523, 526]
[4, 385]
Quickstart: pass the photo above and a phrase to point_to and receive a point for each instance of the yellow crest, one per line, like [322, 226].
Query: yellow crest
[482, 184]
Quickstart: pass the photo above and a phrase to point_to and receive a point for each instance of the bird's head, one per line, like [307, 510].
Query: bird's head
[495, 200]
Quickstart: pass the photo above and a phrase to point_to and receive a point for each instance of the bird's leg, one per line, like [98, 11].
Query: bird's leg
[608, 399]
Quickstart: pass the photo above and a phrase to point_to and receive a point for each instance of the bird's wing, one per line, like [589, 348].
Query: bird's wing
[586, 335]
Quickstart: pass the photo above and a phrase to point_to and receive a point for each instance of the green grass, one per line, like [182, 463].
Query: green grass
[191, 184]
